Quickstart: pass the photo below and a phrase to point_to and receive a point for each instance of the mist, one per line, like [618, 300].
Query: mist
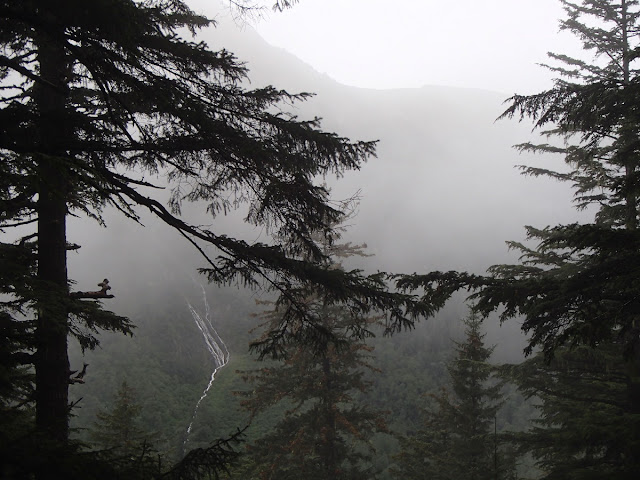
[443, 193]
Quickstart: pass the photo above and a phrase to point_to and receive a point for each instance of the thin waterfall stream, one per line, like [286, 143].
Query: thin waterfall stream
[217, 349]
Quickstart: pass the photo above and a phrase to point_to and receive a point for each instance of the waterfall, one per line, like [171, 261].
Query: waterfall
[217, 349]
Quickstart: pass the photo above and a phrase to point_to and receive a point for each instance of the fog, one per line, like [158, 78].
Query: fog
[493, 44]
[443, 192]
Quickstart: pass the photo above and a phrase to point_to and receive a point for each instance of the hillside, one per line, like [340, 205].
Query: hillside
[443, 193]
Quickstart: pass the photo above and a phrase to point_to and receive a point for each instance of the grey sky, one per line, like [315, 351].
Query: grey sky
[489, 44]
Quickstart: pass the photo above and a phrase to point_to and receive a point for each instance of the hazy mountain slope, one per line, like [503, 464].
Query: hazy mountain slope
[442, 194]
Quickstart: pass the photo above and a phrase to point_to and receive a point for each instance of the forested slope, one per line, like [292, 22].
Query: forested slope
[443, 193]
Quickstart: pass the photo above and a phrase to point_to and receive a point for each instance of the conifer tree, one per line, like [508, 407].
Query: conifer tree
[118, 427]
[97, 99]
[457, 439]
[580, 284]
[127, 446]
[325, 432]
[586, 426]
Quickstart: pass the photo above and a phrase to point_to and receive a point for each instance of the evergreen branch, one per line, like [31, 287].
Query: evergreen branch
[16, 66]
[212, 461]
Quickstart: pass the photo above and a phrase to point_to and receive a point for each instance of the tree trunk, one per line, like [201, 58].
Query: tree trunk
[628, 128]
[631, 221]
[51, 359]
[329, 447]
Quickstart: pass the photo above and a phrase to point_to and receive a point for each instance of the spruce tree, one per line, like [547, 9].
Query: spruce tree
[579, 284]
[118, 427]
[97, 99]
[457, 439]
[585, 429]
[326, 430]
[124, 442]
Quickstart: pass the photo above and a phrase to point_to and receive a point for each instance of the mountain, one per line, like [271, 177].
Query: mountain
[442, 193]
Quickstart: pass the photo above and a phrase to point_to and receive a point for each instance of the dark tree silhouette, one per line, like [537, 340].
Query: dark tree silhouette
[579, 284]
[97, 97]
[326, 430]
[457, 438]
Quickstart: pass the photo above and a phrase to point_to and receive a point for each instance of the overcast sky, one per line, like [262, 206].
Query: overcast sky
[488, 44]
[491, 44]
